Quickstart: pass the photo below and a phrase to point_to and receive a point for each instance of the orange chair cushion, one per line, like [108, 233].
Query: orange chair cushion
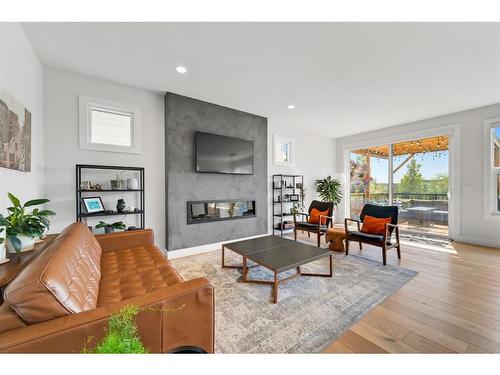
[374, 225]
[314, 216]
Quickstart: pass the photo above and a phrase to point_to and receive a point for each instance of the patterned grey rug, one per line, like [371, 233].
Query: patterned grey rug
[312, 312]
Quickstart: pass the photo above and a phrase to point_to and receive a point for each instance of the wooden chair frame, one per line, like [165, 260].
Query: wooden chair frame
[383, 244]
[316, 229]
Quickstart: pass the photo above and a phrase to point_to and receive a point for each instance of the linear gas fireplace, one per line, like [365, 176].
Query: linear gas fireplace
[218, 210]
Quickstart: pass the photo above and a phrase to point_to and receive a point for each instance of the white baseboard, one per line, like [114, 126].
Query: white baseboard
[206, 248]
[478, 241]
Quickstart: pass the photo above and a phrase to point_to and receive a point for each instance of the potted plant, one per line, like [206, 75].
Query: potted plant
[110, 228]
[43, 217]
[329, 190]
[22, 227]
[122, 336]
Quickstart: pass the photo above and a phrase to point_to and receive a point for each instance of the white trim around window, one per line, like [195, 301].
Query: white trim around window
[128, 115]
[290, 159]
[491, 174]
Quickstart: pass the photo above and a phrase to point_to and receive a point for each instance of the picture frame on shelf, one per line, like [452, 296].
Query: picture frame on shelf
[93, 205]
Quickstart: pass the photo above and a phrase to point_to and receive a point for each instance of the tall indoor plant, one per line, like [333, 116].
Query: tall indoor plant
[329, 190]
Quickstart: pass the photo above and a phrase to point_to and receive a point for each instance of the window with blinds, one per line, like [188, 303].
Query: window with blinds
[109, 126]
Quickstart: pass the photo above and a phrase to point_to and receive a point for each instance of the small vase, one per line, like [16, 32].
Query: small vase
[27, 244]
[132, 184]
[108, 230]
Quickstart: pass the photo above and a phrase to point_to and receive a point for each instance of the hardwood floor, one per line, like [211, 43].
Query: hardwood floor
[451, 306]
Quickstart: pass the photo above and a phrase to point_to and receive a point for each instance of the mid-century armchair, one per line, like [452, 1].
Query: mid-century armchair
[383, 241]
[318, 228]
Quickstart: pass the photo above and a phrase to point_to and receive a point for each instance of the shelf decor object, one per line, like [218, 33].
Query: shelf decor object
[93, 205]
[286, 194]
[94, 202]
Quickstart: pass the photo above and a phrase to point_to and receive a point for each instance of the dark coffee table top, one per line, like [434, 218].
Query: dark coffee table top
[256, 244]
[276, 253]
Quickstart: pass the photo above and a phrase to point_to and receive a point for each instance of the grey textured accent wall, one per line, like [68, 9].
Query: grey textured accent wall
[183, 117]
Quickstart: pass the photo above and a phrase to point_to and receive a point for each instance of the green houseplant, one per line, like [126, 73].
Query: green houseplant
[110, 228]
[42, 216]
[122, 336]
[329, 190]
[23, 228]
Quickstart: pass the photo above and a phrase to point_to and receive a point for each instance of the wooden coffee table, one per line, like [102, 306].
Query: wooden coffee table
[278, 255]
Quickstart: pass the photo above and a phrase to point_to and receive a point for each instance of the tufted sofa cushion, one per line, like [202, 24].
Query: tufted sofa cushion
[133, 272]
[62, 280]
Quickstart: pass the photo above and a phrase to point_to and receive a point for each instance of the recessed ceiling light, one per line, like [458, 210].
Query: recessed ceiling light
[181, 69]
[291, 106]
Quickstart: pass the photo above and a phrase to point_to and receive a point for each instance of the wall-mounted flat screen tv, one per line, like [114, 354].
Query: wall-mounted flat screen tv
[221, 154]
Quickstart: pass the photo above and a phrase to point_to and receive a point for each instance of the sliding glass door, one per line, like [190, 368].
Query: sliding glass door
[412, 175]
[369, 178]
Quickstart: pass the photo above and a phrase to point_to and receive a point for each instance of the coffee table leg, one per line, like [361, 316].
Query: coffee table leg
[275, 288]
[222, 256]
[329, 274]
[331, 265]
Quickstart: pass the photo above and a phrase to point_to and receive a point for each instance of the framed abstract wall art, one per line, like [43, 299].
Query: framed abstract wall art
[15, 134]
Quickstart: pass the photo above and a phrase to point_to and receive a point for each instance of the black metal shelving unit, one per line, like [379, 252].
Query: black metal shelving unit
[82, 216]
[284, 185]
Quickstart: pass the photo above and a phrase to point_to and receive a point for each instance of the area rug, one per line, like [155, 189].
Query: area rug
[312, 312]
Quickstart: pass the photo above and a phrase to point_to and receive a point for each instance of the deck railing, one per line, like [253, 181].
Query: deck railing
[416, 196]
[438, 201]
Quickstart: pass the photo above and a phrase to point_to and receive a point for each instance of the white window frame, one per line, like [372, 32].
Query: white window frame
[291, 148]
[87, 104]
[490, 172]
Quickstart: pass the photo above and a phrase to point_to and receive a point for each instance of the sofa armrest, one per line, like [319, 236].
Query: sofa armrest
[178, 315]
[125, 240]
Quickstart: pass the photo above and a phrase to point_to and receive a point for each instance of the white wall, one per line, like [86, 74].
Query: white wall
[473, 227]
[314, 158]
[61, 91]
[21, 76]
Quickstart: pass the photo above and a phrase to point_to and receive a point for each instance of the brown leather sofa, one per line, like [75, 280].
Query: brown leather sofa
[62, 301]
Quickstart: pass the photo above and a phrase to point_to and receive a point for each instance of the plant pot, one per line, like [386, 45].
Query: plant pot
[43, 237]
[27, 244]
[3, 255]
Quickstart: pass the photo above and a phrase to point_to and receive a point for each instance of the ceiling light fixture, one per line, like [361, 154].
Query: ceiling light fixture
[291, 106]
[181, 69]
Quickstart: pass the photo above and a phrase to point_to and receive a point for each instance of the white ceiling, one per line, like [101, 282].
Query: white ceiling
[344, 78]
